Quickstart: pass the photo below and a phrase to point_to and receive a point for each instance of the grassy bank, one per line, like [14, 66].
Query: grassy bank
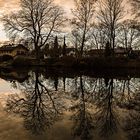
[77, 63]
[93, 62]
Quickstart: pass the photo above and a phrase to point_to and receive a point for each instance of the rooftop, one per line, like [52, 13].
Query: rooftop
[11, 47]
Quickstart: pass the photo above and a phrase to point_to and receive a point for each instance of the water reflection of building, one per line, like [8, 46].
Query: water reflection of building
[11, 75]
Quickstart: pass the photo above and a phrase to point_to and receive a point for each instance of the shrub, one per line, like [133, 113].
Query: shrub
[68, 61]
[50, 61]
[1, 59]
[21, 60]
[7, 58]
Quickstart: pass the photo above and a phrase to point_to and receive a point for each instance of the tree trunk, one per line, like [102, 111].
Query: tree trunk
[37, 51]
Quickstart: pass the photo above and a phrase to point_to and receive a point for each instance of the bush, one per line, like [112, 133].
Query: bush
[50, 61]
[6, 58]
[1, 59]
[22, 61]
[68, 61]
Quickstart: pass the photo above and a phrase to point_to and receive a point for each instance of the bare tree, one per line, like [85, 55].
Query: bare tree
[99, 37]
[136, 11]
[37, 20]
[129, 35]
[110, 13]
[82, 21]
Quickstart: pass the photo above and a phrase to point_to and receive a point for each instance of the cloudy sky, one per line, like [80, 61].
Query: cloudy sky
[6, 6]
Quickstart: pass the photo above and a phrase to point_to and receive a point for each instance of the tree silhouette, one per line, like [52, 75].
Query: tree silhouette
[107, 49]
[83, 18]
[56, 48]
[37, 20]
[99, 37]
[136, 8]
[109, 15]
[64, 47]
[129, 35]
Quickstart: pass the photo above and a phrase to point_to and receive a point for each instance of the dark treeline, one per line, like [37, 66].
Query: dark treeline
[95, 24]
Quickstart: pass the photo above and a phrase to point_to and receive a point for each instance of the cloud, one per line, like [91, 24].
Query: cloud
[68, 3]
[8, 2]
[6, 6]
[10, 5]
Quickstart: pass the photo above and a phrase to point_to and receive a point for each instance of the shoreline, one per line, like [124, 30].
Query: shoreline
[69, 62]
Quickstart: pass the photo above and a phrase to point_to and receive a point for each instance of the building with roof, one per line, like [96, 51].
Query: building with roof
[13, 50]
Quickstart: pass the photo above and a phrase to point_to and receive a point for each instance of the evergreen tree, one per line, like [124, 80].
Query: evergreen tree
[64, 47]
[56, 47]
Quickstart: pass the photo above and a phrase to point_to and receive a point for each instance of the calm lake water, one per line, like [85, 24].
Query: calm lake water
[50, 105]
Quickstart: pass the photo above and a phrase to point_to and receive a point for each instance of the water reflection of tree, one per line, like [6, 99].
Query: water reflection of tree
[126, 91]
[114, 96]
[39, 107]
[82, 117]
[127, 97]
[132, 122]
[98, 92]
[106, 115]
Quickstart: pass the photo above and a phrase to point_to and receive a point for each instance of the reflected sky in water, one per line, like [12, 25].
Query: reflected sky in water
[39, 105]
